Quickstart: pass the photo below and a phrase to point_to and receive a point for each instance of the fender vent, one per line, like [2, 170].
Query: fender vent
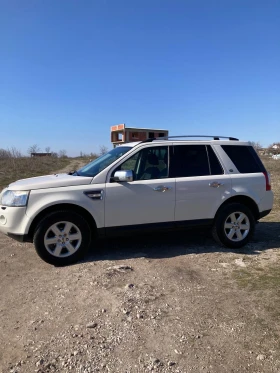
[95, 194]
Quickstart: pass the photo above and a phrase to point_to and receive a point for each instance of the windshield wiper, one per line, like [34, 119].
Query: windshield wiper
[74, 173]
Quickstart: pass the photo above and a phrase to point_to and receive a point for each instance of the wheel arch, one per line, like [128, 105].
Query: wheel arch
[245, 200]
[58, 207]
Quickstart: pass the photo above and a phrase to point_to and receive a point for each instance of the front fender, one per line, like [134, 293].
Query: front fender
[42, 199]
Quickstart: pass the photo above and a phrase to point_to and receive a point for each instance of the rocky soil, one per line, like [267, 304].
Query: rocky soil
[160, 303]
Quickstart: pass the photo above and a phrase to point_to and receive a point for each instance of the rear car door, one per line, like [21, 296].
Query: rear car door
[201, 182]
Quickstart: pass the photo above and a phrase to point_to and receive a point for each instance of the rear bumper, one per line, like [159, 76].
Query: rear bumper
[264, 213]
[266, 204]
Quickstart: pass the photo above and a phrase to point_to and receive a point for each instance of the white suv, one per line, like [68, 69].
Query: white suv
[155, 184]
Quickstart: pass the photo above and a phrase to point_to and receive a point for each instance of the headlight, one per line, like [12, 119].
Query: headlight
[14, 198]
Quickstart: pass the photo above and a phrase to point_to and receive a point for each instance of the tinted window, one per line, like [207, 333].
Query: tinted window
[215, 166]
[99, 164]
[245, 158]
[130, 164]
[189, 160]
[149, 163]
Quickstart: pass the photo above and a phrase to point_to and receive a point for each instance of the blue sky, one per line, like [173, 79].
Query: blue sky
[70, 69]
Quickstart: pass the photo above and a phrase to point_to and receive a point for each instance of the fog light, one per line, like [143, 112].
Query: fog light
[3, 220]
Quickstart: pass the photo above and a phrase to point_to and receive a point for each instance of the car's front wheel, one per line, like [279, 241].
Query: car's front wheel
[62, 237]
[234, 225]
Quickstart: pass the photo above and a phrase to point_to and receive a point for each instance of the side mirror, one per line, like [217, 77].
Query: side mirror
[121, 176]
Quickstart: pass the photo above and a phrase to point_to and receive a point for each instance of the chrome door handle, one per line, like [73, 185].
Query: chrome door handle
[161, 188]
[215, 184]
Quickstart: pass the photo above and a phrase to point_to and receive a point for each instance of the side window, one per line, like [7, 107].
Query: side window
[189, 160]
[131, 163]
[245, 158]
[215, 166]
[149, 163]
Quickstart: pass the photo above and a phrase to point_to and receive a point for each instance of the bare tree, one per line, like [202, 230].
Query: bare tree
[14, 152]
[62, 153]
[33, 149]
[103, 149]
[256, 145]
[4, 153]
[275, 145]
[10, 153]
[274, 148]
[93, 155]
[48, 149]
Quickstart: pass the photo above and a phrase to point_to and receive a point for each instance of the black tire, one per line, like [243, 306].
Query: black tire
[79, 237]
[221, 231]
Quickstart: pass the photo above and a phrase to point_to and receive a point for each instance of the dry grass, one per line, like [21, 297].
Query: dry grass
[262, 276]
[12, 169]
[259, 278]
[273, 166]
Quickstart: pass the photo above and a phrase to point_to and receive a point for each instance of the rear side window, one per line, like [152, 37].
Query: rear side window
[215, 166]
[245, 158]
[189, 160]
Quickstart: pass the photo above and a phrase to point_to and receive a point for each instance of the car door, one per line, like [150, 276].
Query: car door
[201, 184]
[147, 200]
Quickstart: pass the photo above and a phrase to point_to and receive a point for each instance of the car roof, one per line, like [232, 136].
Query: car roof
[188, 141]
[130, 144]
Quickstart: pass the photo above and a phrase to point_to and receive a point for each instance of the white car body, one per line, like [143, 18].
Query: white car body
[121, 205]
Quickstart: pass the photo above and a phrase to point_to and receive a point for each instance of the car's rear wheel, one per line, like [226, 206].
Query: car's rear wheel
[234, 225]
[62, 237]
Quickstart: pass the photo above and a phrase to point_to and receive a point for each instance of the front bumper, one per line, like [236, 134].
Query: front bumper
[20, 237]
[14, 221]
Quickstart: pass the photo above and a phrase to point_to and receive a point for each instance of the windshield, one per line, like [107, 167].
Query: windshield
[96, 166]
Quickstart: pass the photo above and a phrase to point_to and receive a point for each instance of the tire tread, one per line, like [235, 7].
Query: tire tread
[217, 229]
[40, 248]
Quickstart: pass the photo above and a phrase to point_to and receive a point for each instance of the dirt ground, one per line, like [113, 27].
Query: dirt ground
[162, 303]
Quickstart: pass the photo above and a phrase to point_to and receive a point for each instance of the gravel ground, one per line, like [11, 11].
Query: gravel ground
[162, 303]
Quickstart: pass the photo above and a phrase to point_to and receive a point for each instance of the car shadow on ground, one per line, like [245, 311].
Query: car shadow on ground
[172, 244]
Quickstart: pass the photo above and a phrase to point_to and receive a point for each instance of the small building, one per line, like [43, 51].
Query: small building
[41, 154]
[121, 134]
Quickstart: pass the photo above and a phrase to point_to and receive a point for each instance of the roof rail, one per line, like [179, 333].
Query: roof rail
[192, 136]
